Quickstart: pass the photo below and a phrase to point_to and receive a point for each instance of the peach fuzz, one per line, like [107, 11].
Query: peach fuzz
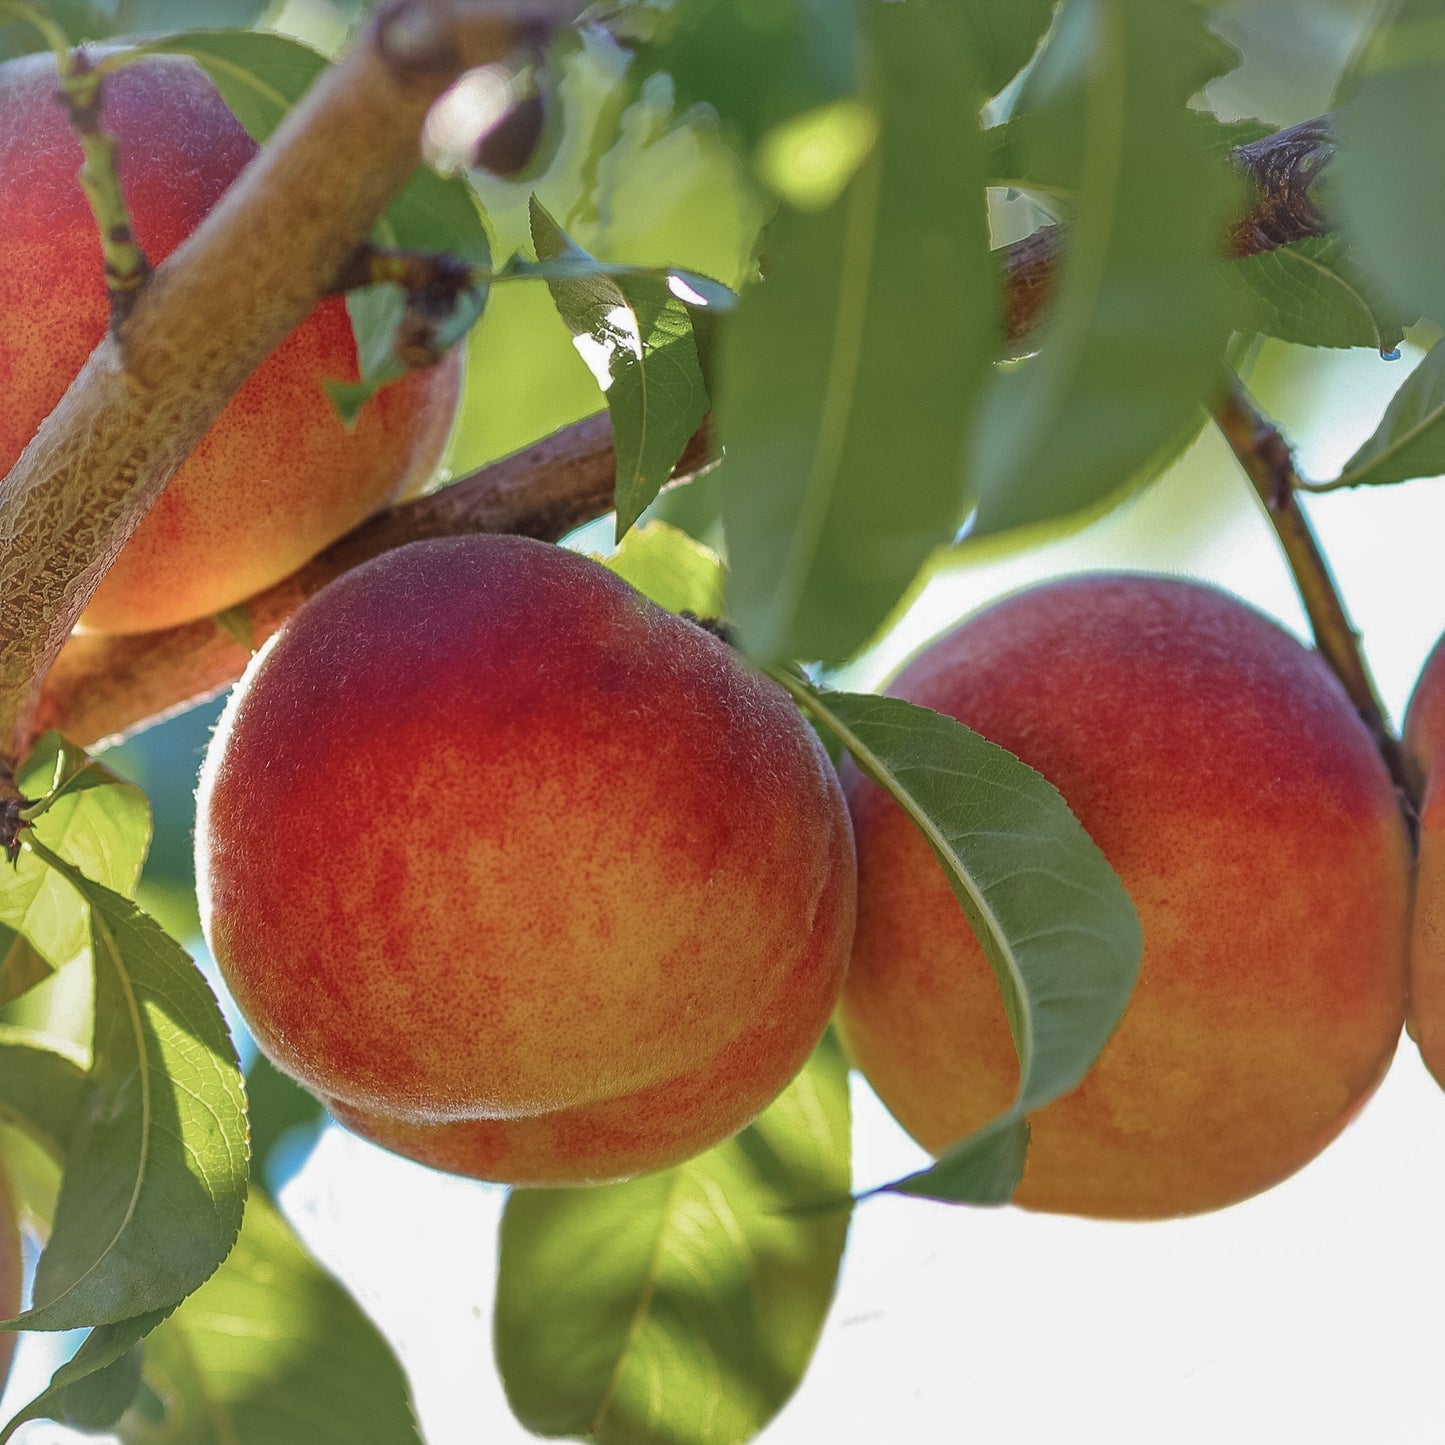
[524, 876]
[278, 477]
[1424, 741]
[1221, 769]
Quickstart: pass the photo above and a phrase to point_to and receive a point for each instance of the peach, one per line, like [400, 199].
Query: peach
[1424, 737]
[278, 477]
[1223, 772]
[525, 877]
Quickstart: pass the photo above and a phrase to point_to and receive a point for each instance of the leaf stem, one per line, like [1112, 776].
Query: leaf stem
[1268, 461]
[126, 268]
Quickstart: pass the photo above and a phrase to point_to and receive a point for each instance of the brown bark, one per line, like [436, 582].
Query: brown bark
[102, 687]
[209, 316]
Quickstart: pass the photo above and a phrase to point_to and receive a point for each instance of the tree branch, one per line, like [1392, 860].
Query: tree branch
[103, 686]
[249, 274]
[1266, 459]
[1281, 170]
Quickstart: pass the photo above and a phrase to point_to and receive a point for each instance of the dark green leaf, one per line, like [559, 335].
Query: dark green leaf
[1387, 183]
[672, 569]
[1132, 344]
[1052, 917]
[93, 819]
[680, 1308]
[271, 1351]
[1410, 439]
[102, 1350]
[1311, 293]
[155, 1173]
[281, 1113]
[41, 1091]
[101, 1398]
[847, 376]
[636, 338]
[759, 63]
[1006, 34]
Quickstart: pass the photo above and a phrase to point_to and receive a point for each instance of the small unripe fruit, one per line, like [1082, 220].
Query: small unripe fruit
[523, 876]
[1223, 772]
[278, 476]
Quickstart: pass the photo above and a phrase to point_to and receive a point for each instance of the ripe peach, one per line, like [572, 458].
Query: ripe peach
[524, 876]
[278, 476]
[1424, 736]
[1227, 779]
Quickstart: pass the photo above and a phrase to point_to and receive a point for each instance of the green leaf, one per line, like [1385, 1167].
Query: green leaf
[102, 1353]
[758, 63]
[1132, 344]
[156, 1172]
[271, 1351]
[1387, 181]
[1311, 293]
[1052, 917]
[672, 569]
[41, 1091]
[636, 337]
[680, 1308]
[280, 1111]
[260, 75]
[1006, 34]
[847, 376]
[1410, 439]
[92, 818]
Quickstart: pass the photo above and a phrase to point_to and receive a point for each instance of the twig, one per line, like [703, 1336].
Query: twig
[1281, 170]
[249, 274]
[1266, 459]
[126, 268]
[101, 687]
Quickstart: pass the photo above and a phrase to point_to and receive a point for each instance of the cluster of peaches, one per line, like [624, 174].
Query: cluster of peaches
[533, 881]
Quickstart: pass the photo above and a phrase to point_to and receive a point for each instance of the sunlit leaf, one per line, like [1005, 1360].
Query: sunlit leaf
[759, 63]
[636, 337]
[270, 1351]
[1054, 921]
[93, 819]
[1410, 439]
[680, 1308]
[672, 569]
[847, 375]
[156, 1171]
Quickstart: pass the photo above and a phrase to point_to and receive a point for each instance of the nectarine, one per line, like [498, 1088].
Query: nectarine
[278, 476]
[1424, 741]
[1223, 772]
[523, 876]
